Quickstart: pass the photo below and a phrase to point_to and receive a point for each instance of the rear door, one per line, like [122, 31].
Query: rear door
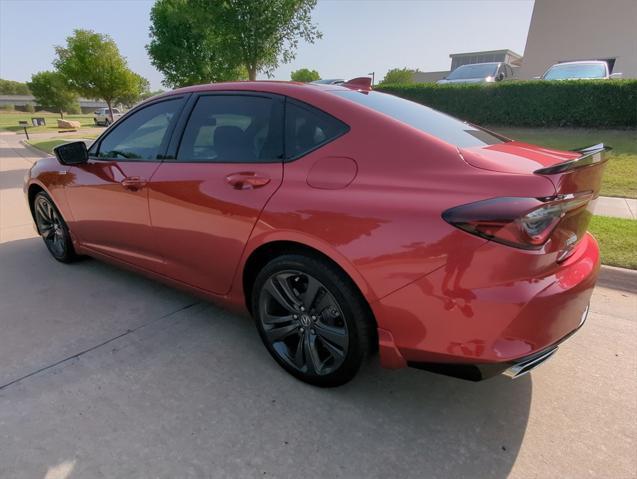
[204, 202]
[109, 194]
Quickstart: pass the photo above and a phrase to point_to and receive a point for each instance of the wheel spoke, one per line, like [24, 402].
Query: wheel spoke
[277, 334]
[271, 319]
[312, 360]
[309, 297]
[42, 210]
[335, 352]
[336, 336]
[299, 357]
[279, 289]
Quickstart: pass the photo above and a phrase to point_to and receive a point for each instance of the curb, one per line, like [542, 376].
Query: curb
[34, 150]
[618, 278]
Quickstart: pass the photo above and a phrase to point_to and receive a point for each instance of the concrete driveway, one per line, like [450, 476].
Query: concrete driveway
[105, 374]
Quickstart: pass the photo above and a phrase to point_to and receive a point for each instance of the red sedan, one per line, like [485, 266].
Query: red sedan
[344, 220]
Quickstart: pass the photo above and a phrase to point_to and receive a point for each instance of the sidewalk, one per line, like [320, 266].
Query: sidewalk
[617, 207]
[18, 154]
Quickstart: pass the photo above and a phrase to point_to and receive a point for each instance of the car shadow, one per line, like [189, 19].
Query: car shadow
[211, 383]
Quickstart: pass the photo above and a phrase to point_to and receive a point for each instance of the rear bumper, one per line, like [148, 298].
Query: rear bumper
[513, 369]
[489, 315]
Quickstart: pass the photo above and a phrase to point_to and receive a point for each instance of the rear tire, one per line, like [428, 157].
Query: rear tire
[53, 229]
[312, 319]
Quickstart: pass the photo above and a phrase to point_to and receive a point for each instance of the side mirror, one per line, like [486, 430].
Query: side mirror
[74, 153]
[615, 76]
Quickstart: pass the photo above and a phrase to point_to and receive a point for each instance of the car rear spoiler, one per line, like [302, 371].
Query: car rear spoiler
[589, 156]
[359, 83]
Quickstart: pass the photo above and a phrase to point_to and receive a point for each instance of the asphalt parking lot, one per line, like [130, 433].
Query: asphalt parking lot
[104, 373]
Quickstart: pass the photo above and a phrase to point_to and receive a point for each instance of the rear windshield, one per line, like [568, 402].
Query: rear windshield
[478, 70]
[445, 127]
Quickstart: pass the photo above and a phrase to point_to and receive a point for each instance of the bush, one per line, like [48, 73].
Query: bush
[7, 107]
[582, 103]
[29, 108]
[74, 109]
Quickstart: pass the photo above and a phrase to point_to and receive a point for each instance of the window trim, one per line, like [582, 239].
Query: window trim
[180, 128]
[306, 106]
[181, 101]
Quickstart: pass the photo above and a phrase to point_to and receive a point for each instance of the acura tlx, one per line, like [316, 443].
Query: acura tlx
[345, 221]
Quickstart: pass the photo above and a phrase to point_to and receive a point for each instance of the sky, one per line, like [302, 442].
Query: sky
[359, 36]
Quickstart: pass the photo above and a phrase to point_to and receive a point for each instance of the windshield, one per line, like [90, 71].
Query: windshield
[478, 70]
[575, 71]
[440, 125]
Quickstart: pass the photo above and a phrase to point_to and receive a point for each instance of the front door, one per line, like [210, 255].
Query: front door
[205, 202]
[108, 195]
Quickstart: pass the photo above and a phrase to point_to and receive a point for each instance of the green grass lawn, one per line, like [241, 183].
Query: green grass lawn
[617, 240]
[620, 177]
[9, 121]
[47, 145]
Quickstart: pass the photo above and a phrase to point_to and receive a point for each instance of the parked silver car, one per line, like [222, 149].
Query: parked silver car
[101, 116]
[580, 70]
[479, 73]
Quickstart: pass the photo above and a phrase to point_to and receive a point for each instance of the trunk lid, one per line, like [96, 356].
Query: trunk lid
[576, 175]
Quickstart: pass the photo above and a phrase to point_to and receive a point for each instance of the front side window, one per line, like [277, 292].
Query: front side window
[233, 129]
[140, 136]
[307, 128]
[575, 71]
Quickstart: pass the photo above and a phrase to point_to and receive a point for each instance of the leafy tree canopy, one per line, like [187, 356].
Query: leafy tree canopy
[10, 87]
[305, 75]
[94, 67]
[199, 41]
[397, 76]
[53, 92]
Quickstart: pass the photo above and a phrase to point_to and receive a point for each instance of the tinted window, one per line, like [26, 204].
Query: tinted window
[307, 128]
[574, 71]
[445, 127]
[140, 136]
[233, 129]
[479, 70]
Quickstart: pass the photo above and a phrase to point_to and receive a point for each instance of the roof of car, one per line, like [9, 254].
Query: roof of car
[265, 86]
[580, 62]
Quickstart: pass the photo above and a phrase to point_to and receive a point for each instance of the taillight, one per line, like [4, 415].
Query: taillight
[525, 223]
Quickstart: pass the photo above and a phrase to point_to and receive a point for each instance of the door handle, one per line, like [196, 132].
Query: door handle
[133, 183]
[246, 180]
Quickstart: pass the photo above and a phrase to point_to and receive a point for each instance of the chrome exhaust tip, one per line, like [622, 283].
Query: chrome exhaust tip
[524, 367]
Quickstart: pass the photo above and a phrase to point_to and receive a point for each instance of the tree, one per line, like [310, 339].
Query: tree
[183, 48]
[10, 87]
[93, 66]
[398, 75]
[136, 94]
[304, 75]
[52, 92]
[215, 40]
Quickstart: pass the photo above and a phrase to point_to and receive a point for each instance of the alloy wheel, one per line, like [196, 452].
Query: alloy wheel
[303, 323]
[50, 226]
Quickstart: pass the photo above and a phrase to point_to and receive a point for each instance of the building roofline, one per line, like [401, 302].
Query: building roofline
[485, 52]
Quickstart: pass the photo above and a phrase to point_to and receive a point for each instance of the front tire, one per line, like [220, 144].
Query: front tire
[312, 319]
[53, 229]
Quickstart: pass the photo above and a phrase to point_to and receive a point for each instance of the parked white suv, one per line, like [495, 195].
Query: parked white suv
[581, 70]
[102, 117]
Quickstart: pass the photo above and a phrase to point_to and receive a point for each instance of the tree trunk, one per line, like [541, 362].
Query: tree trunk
[110, 110]
[61, 114]
[252, 73]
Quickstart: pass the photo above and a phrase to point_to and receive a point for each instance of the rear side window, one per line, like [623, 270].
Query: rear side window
[142, 135]
[433, 122]
[233, 129]
[307, 128]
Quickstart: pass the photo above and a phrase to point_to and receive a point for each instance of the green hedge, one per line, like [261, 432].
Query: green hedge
[585, 103]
